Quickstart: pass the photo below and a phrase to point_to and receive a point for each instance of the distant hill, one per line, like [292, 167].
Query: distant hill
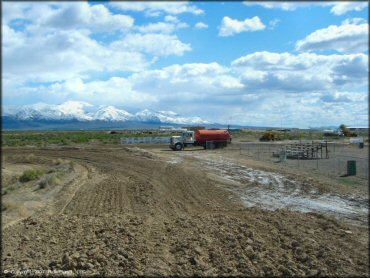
[76, 115]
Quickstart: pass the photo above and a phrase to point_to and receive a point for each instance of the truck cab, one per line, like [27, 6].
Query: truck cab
[184, 140]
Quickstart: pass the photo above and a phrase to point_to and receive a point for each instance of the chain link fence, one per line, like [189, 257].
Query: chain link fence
[336, 164]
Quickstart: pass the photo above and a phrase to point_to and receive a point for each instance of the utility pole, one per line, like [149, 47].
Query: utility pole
[281, 119]
[228, 126]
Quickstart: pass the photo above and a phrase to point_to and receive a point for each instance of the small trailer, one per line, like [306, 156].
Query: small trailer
[202, 137]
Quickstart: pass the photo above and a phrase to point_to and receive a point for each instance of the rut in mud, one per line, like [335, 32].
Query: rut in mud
[271, 190]
[136, 214]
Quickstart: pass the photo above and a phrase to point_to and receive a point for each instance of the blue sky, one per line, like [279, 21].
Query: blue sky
[250, 63]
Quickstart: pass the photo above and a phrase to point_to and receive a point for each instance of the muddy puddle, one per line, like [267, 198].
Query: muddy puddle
[271, 191]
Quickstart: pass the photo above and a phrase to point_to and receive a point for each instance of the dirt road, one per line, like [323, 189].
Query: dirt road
[137, 212]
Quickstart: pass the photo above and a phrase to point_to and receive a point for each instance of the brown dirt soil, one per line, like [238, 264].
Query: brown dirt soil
[135, 213]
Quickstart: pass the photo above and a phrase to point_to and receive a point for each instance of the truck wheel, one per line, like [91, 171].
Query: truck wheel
[178, 147]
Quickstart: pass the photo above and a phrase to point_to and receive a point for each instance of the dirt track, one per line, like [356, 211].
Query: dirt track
[137, 213]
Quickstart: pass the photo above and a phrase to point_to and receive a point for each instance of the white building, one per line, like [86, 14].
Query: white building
[358, 128]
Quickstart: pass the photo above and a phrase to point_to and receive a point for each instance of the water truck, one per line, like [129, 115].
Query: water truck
[206, 138]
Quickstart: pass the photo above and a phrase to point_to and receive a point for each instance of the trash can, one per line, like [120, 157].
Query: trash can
[361, 145]
[351, 168]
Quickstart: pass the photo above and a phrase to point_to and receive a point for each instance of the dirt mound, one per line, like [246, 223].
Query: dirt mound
[134, 215]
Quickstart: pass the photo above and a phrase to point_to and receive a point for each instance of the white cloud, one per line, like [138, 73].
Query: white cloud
[56, 42]
[179, 87]
[326, 113]
[347, 38]
[200, 25]
[155, 44]
[68, 15]
[171, 18]
[340, 8]
[304, 110]
[162, 27]
[343, 97]
[231, 26]
[58, 56]
[157, 8]
[82, 15]
[337, 8]
[13, 10]
[114, 91]
[313, 89]
[259, 88]
[273, 23]
[355, 21]
[306, 72]
[145, 89]
[101, 19]
[286, 6]
[12, 38]
[193, 80]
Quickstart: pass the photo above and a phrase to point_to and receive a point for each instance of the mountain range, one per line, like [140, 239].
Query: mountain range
[77, 115]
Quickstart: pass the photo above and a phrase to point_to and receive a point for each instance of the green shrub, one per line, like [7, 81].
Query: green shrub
[268, 136]
[7, 190]
[43, 184]
[44, 138]
[50, 180]
[30, 175]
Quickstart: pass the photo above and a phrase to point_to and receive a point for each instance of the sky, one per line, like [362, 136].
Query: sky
[248, 63]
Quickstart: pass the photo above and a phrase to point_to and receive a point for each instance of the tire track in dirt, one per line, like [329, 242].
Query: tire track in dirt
[76, 184]
[137, 215]
[142, 186]
[158, 256]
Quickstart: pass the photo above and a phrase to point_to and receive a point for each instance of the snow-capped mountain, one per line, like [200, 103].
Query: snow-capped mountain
[110, 113]
[147, 116]
[70, 110]
[166, 117]
[85, 112]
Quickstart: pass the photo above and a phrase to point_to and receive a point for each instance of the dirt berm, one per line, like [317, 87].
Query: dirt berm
[136, 214]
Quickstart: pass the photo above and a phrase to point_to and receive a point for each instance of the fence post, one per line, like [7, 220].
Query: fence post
[298, 159]
[269, 152]
[317, 163]
[338, 163]
[365, 175]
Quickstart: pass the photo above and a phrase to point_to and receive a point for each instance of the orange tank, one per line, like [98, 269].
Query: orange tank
[203, 135]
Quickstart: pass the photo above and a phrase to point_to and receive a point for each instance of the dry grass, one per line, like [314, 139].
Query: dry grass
[58, 161]
[30, 158]
[9, 205]
[49, 180]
